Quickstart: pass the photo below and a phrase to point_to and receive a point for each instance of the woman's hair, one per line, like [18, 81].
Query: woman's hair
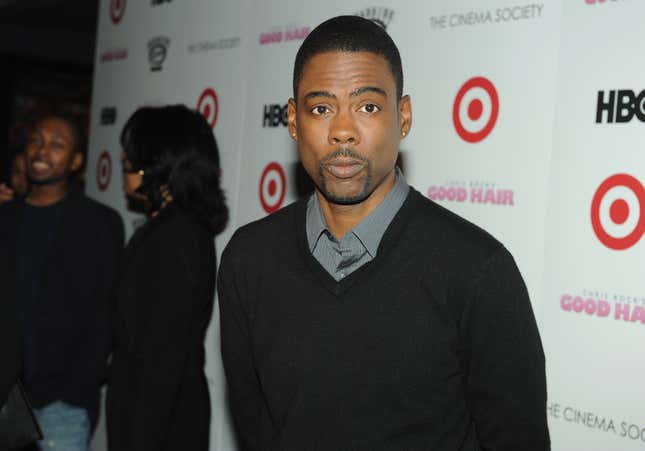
[175, 148]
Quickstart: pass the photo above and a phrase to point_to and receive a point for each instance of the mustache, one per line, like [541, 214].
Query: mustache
[343, 152]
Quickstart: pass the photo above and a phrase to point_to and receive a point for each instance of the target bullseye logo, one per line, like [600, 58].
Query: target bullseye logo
[617, 211]
[103, 171]
[117, 8]
[475, 110]
[273, 187]
[208, 106]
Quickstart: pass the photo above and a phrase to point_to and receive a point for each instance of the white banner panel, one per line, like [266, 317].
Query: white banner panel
[482, 79]
[594, 290]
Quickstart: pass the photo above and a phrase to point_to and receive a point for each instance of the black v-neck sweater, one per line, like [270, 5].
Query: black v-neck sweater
[430, 346]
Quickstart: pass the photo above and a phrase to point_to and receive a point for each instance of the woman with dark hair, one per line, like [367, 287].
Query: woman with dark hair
[157, 392]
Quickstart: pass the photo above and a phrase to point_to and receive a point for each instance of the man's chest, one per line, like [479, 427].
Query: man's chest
[384, 337]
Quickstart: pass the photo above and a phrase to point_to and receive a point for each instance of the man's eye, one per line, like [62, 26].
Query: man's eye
[320, 110]
[370, 108]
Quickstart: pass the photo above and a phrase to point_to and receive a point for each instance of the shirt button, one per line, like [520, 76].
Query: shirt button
[342, 275]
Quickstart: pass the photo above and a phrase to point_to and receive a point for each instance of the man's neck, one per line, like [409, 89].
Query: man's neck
[44, 195]
[343, 218]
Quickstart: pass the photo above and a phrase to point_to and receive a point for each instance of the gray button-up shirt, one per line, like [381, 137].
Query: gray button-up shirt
[359, 245]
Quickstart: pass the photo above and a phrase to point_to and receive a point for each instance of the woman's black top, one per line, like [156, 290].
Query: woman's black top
[158, 396]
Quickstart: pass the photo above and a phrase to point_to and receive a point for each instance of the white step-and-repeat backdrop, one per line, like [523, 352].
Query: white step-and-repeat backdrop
[528, 120]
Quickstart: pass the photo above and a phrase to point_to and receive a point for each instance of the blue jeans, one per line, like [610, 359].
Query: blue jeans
[65, 427]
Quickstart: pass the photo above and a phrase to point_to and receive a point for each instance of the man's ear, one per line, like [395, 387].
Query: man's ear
[291, 119]
[405, 115]
[77, 161]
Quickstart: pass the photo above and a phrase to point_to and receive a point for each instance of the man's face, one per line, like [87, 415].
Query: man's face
[348, 124]
[50, 153]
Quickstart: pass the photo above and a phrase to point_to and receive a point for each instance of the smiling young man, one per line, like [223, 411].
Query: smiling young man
[59, 252]
[366, 317]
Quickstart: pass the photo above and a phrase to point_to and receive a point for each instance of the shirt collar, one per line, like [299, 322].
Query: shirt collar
[316, 223]
[371, 229]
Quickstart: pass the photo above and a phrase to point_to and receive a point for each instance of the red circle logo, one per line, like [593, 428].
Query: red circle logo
[208, 106]
[617, 215]
[273, 187]
[117, 8]
[103, 171]
[475, 109]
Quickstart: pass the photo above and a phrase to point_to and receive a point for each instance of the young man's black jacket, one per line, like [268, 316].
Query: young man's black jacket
[69, 335]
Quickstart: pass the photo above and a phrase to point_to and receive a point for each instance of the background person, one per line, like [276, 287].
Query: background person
[157, 394]
[62, 251]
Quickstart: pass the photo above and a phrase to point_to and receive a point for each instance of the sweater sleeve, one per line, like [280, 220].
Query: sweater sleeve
[245, 396]
[94, 349]
[109, 246]
[506, 384]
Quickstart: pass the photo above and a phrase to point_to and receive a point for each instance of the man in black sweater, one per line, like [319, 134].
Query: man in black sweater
[59, 253]
[366, 317]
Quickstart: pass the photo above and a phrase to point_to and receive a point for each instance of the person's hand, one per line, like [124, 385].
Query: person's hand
[6, 193]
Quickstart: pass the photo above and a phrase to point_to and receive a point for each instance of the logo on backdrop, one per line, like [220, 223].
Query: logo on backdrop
[218, 44]
[510, 14]
[274, 115]
[593, 2]
[208, 106]
[620, 106]
[381, 16]
[473, 192]
[601, 304]
[273, 187]
[595, 420]
[159, 2]
[281, 34]
[108, 115]
[157, 52]
[103, 170]
[117, 9]
[475, 109]
[618, 211]
[114, 55]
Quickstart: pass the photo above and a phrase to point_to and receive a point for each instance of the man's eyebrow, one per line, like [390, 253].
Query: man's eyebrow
[314, 94]
[364, 89]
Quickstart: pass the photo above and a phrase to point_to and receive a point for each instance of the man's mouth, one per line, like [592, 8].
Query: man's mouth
[344, 168]
[40, 165]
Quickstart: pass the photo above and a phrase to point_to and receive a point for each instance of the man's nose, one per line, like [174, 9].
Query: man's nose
[343, 129]
[42, 149]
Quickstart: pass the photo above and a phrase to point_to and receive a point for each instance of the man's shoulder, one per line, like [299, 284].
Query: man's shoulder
[436, 226]
[276, 230]
[86, 214]
[85, 205]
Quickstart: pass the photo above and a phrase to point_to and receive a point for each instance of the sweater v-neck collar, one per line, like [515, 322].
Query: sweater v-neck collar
[390, 238]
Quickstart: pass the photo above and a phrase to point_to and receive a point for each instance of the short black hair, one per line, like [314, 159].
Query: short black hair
[349, 34]
[176, 148]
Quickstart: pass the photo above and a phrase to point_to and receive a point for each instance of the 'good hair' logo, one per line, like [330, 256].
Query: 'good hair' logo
[475, 110]
[617, 211]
